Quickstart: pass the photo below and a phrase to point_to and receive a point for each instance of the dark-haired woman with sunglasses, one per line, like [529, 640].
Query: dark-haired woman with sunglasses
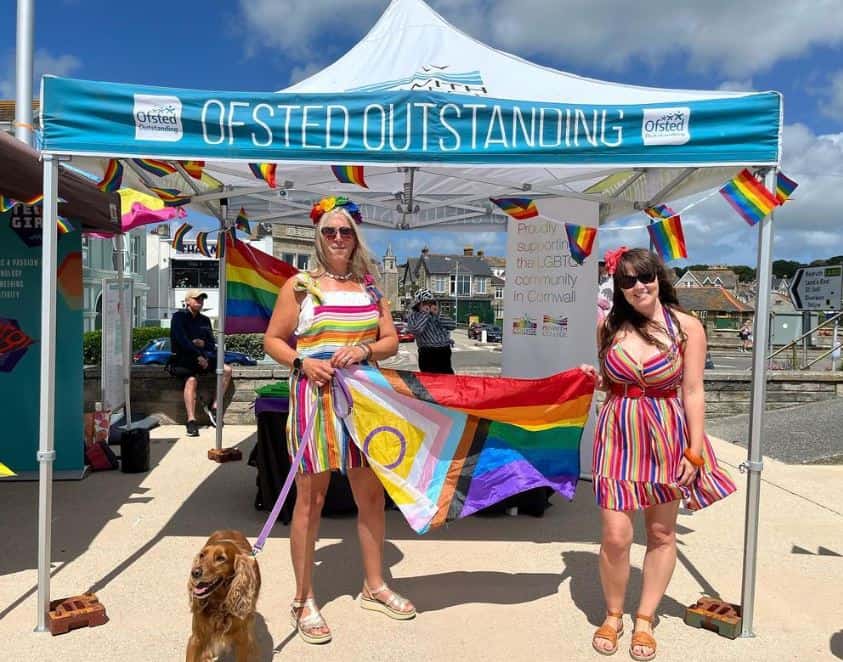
[650, 448]
[339, 319]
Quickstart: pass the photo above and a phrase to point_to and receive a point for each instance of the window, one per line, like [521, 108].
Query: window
[439, 284]
[498, 292]
[134, 253]
[84, 251]
[289, 258]
[480, 286]
[195, 273]
[302, 262]
[461, 288]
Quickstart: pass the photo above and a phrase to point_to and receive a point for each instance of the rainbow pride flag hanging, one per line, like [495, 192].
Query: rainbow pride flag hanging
[785, 187]
[221, 242]
[447, 446]
[193, 168]
[6, 203]
[202, 244]
[178, 236]
[64, 226]
[242, 222]
[519, 208]
[264, 171]
[668, 238]
[172, 197]
[253, 279]
[112, 179]
[155, 167]
[349, 174]
[659, 211]
[749, 197]
[580, 241]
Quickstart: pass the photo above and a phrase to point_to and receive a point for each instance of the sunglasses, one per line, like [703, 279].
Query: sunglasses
[626, 282]
[329, 232]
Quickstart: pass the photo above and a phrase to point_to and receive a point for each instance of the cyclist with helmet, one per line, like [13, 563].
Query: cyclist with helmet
[432, 332]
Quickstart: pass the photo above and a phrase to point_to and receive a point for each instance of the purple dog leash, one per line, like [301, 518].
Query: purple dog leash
[340, 393]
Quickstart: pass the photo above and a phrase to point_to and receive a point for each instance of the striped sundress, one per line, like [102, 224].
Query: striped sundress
[327, 321]
[639, 442]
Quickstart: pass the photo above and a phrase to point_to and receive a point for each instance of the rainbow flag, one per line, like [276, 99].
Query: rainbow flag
[668, 238]
[349, 174]
[5, 472]
[155, 167]
[785, 187]
[6, 203]
[264, 171]
[447, 446]
[519, 208]
[242, 222]
[659, 211]
[64, 226]
[172, 197]
[137, 209]
[193, 168]
[202, 244]
[178, 236]
[112, 178]
[749, 197]
[221, 235]
[580, 241]
[253, 279]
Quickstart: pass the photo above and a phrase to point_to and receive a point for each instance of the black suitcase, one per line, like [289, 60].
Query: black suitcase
[134, 450]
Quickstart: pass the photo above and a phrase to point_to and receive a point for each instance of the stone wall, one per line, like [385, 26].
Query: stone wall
[155, 392]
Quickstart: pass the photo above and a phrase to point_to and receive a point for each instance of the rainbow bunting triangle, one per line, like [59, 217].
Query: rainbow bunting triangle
[155, 167]
[172, 197]
[178, 236]
[785, 187]
[580, 241]
[668, 238]
[6, 203]
[221, 241]
[64, 226]
[112, 179]
[242, 222]
[193, 168]
[659, 211]
[202, 244]
[749, 197]
[264, 171]
[519, 208]
[34, 201]
[253, 280]
[349, 174]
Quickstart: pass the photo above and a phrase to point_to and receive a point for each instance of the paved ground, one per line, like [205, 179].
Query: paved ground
[487, 589]
[811, 433]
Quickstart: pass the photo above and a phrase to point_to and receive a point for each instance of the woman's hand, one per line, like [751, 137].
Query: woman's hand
[687, 472]
[318, 371]
[592, 371]
[346, 356]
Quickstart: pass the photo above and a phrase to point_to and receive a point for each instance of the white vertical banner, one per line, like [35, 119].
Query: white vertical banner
[550, 301]
[112, 340]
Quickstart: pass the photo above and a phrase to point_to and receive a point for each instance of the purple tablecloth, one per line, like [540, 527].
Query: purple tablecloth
[267, 404]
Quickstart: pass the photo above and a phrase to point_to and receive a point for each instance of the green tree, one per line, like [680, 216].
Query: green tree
[785, 268]
[745, 274]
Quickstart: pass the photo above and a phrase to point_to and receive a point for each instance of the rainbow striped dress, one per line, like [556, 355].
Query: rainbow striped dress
[327, 321]
[639, 442]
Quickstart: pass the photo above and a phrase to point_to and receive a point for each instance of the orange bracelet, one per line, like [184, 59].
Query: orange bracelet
[693, 458]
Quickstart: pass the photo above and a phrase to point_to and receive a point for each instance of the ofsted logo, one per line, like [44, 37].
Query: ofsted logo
[666, 126]
[157, 118]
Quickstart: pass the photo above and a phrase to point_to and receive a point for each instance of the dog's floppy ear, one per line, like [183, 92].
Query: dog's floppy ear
[243, 592]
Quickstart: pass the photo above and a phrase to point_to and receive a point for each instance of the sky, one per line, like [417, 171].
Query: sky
[795, 48]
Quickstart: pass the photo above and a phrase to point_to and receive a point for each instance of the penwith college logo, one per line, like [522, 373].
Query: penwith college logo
[666, 126]
[157, 118]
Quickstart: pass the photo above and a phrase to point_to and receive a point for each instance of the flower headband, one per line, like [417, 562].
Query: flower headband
[328, 204]
[612, 258]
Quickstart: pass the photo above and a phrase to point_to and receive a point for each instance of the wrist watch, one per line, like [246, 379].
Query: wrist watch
[297, 364]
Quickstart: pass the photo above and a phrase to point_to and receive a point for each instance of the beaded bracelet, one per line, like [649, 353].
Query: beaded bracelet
[368, 349]
[693, 458]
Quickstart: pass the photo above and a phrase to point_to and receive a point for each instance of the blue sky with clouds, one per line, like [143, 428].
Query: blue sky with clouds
[796, 48]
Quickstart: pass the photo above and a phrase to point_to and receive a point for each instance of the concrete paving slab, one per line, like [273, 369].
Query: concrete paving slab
[487, 588]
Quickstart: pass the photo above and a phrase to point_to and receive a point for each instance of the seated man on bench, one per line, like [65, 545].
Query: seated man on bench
[194, 354]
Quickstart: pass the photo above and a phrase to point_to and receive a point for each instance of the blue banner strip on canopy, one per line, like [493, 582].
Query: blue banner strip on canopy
[90, 117]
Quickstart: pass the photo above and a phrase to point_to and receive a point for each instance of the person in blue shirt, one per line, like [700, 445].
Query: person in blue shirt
[194, 354]
[432, 332]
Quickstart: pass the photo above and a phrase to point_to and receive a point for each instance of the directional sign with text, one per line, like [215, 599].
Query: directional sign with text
[817, 288]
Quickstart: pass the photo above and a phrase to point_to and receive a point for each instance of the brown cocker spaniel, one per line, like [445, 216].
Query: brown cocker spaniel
[223, 588]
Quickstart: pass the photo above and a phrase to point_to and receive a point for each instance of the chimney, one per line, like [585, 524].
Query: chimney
[468, 251]
[425, 251]
[480, 253]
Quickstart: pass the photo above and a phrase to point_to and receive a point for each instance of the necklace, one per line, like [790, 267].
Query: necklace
[338, 276]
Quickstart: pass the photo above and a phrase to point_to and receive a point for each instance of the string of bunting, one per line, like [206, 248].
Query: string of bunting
[744, 193]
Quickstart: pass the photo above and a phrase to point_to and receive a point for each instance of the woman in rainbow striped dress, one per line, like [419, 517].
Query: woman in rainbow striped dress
[650, 448]
[339, 319]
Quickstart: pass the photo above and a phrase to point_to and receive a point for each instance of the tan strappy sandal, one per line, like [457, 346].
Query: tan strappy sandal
[642, 639]
[394, 606]
[305, 625]
[608, 633]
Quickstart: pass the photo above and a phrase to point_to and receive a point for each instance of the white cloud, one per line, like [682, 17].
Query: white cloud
[735, 38]
[832, 104]
[736, 85]
[43, 62]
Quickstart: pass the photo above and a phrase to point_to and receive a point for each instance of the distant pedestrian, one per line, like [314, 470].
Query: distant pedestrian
[432, 332]
[745, 334]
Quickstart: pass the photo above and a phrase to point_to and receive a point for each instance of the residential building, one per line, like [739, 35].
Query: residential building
[716, 307]
[714, 277]
[98, 261]
[293, 244]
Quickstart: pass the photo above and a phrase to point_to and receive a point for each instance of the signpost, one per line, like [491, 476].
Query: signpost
[817, 288]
